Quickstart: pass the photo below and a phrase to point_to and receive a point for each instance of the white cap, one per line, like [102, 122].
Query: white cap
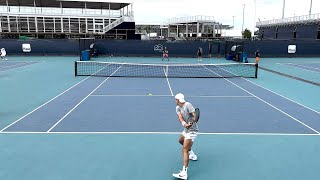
[180, 97]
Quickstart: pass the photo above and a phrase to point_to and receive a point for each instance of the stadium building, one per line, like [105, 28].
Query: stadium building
[67, 27]
[99, 19]
[305, 27]
[67, 19]
[184, 28]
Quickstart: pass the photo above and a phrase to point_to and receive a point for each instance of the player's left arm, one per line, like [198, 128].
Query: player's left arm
[193, 113]
[194, 116]
[182, 121]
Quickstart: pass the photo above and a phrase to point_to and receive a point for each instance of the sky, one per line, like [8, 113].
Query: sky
[157, 11]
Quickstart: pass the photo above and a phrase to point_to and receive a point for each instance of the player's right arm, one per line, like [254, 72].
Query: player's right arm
[183, 122]
[194, 116]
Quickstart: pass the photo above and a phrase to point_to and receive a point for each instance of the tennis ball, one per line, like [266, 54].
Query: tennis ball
[150, 94]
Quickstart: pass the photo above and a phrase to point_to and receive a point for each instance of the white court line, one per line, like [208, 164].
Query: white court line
[282, 96]
[82, 100]
[303, 69]
[15, 62]
[271, 105]
[168, 81]
[277, 109]
[126, 95]
[301, 65]
[222, 96]
[3, 69]
[312, 62]
[166, 133]
[19, 64]
[12, 61]
[44, 104]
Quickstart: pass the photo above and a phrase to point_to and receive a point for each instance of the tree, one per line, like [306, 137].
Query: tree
[148, 29]
[246, 34]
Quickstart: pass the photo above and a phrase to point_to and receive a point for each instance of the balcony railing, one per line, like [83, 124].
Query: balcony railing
[190, 19]
[290, 20]
[58, 11]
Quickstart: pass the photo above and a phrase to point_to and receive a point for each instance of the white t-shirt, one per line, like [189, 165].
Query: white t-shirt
[3, 52]
[186, 111]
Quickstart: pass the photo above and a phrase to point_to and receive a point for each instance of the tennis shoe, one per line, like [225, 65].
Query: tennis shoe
[181, 175]
[193, 157]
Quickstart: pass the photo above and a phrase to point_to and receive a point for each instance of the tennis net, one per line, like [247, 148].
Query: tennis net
[113, 69]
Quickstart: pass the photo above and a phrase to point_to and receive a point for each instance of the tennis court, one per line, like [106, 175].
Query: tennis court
[314, 67]
[8, 65]
[58, 126]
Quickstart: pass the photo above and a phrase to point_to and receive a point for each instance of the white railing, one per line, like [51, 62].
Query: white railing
[68, 11]
[290, 20]
[190, 19]
[141, 32]
[55, 11]
[117, 22]
[113, 24]
[59, 15]
[145, 37]
[129, 17]
[176, 37]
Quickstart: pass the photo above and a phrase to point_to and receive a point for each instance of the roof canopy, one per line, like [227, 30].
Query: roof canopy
[79, 4]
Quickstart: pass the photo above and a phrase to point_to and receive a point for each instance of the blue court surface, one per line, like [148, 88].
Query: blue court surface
[313, 67]
[8, 65]
[57, 126]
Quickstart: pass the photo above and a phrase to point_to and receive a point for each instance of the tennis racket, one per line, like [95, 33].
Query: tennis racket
[196, 119]
[197, 111]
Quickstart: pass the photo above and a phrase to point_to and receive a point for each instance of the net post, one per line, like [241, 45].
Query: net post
[257, 67]
[75, 68]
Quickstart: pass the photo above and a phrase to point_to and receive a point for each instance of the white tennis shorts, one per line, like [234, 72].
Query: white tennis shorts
[190, 135]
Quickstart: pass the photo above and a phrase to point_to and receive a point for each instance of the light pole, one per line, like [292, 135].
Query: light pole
[233, 21]
[284, 4]
[254, 20]
[243, 17]
[310, 7]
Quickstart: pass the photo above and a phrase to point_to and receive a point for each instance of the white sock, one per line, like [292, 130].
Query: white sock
[184, 168]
